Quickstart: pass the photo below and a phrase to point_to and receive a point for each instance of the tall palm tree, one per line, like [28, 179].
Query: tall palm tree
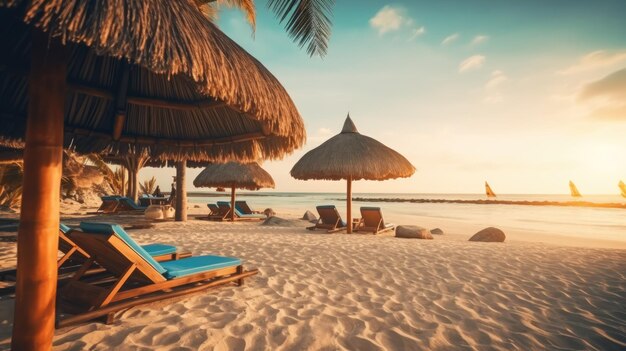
[308, 22]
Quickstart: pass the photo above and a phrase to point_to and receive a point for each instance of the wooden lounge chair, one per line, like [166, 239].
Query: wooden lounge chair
[127, 204]
[215, 210]
[242, 206]
[138, 277]
[329, 219]
[372, 221]
[109, 204]
[219, 212]
[240, 216]
[74, 256]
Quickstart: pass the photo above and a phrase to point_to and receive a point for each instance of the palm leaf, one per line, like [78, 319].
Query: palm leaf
[210, 9]
[308, 22]
[148, 186]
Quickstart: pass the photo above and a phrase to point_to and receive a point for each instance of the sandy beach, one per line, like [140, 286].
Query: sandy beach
[361, 292]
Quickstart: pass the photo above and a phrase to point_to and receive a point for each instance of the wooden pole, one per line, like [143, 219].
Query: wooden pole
[181, 192]
[38, 239]
[349, 204]
[123, 180]
[232, 203]
[135, 193]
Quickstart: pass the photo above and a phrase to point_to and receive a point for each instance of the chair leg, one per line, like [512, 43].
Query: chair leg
[239, 271]
[65, 257]
[118, 285]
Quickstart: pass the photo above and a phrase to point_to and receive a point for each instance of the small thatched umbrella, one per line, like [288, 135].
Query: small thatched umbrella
[121, 76]
[234, 175]
[352, 156]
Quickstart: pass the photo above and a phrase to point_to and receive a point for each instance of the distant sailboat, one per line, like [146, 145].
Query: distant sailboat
[622, 188]
[574, 190]
[488, 190]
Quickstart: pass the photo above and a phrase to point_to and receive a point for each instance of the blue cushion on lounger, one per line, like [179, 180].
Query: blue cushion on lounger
[131, 203]
[223, 203]
[64, 228]
[159, 249]
[251, 215]
[108, 228]
[191, 265]
[110, 197]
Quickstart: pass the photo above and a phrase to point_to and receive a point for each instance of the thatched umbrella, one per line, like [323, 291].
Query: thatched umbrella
[234, 175]
[120, 77]
[352, 156]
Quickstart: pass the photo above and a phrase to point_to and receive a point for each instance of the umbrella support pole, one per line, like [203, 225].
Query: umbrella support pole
[181, 192]
[349, 205]
[37, 239]
[232, 204]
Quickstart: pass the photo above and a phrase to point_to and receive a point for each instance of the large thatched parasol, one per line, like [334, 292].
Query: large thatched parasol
[234, 175]
[352, 156]
[121, 76]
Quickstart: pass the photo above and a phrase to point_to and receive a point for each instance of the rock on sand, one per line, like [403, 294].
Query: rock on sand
[413, 232]
[490, 234]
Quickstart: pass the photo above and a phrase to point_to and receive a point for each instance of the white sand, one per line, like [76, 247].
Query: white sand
[361, 292]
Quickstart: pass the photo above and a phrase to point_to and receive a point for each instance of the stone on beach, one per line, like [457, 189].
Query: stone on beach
[437, 231]
[309, 216]
[413, 232]
[269, 212]
[279, 222]
[489, 234]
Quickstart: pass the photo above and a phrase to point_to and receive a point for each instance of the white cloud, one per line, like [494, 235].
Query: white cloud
[497, 78]
[324, 131]
[492, 99]
[417, 32]
[472, 63]
[594, 60]
[611, 87]
[606, 96]
[479, 39]
[450, 39]
[389, 19]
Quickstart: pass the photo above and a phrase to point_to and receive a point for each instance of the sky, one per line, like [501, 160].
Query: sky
[526, 95]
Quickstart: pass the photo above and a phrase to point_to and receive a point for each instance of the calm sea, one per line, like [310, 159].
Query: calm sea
[598, 223]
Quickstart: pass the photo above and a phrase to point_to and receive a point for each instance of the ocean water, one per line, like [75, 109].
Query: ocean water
[583, 222]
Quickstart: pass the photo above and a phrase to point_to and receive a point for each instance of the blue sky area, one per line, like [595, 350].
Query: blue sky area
[524, 94]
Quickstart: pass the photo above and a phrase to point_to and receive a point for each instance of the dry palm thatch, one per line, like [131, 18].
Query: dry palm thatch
[149, 76]
[350, 154]
[248, 176]
[10, 155]
[234, 175]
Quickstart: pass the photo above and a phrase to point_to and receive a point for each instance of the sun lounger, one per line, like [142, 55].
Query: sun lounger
[109, 204]
[240, 215]
[215, 210]
[139, 278]
[372, 221]
[242, 206]
[329, 219]
[127, 204]
[74, 256]
[225, 209]
[219, 212]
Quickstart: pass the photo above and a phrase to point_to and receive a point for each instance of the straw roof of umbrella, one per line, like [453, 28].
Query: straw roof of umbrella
[248, 176]
[153, 76]
[351, 154]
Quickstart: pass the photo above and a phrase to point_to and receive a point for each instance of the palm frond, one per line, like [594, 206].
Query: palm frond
[148, 186]
[210, 8]
[308, 22]
[115, 179]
